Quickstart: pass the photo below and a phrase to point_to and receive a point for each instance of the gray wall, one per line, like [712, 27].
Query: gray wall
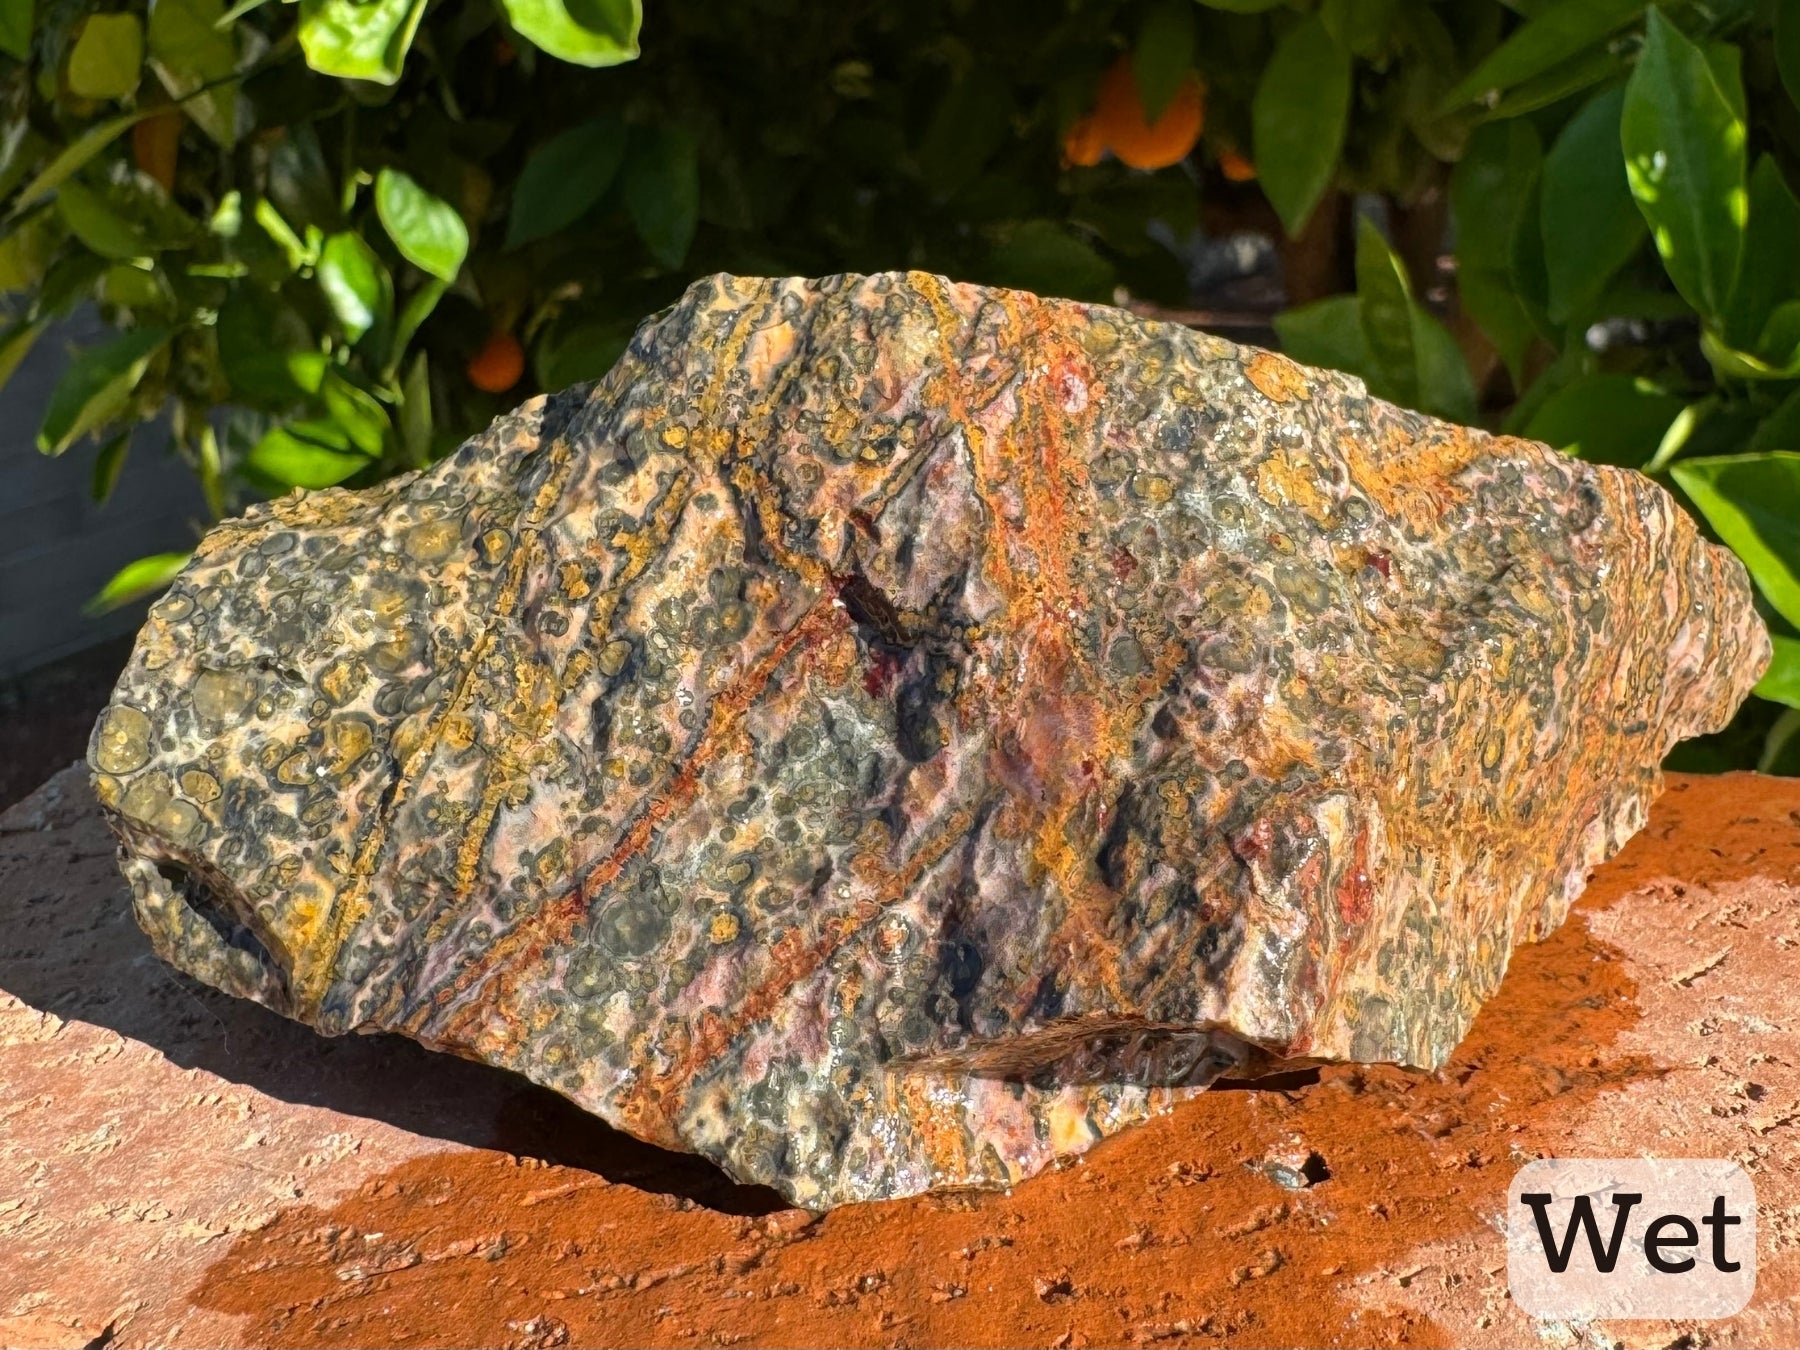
[57, 547]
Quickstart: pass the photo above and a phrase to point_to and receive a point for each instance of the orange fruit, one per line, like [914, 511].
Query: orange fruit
[156, 145]
[1119, 117]
[498, 365]
[1235, 167]
[1083, 143]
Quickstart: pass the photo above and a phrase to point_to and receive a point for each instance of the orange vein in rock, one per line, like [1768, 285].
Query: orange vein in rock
[640, 547]
[649, 1100]
[726, 711]
[556, 918]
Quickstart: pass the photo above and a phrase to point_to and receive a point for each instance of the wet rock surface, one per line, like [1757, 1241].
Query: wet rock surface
[184, 1168]
[889, 734]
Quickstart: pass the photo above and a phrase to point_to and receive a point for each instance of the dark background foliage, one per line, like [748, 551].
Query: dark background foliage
[333, 238]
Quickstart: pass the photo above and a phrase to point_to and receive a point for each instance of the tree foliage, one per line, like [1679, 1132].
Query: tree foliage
[325, 230]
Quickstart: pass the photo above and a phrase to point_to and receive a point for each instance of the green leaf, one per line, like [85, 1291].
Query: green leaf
[1491, 206]
[1684, 156]
[1769, 271]
[1446, 389]
[142, 203]
[76, 155]
[1385, 308]
[96, 386]
[276, 227]
[563, 179]
[307, 369]
[1725, 428]
[967, 129]
[188, 51]
[1780, 430]
[212, 471]
[1325, 333]
[314, 454]
[1559, 82]
[227, 218]
[575, 353]
[137, 579]
[1043, 256]
[1129, 214]
[1629, 297]
[15, 344]
[92, 220]
[418, 309]
[1298, 117]
[1401, 352]
[107, 466]
[415, 413]
[1606, 419]
[302, 184]
[1727, 64]
[1487, 297]
[15, 28]
[1490, 197]
[1488, 192]
[1336, 333]
[129, 286]
[1369, 28]
[363, 421]
[1681, 432]
[1163, 55]
[1729, 363]
[1591, 224]
[1780, 340]
[355, 282]
[1753, 503]
[1777, 757]
[1572, 363]
[1781, 681]
[238, 11]
[1242, 6]
[69, 282]
[584, 32]
[26, 250]
[359, 39]
[267, 350]
[1561, 31]
[108, 57]
[1787, 45]
[425, 228]
[662, 192]
[1528, 270]
[21, 147]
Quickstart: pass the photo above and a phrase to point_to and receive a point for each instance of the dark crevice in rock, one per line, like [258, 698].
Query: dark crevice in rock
[202, 896]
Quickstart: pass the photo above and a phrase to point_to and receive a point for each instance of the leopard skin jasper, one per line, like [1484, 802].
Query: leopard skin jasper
[889, 733]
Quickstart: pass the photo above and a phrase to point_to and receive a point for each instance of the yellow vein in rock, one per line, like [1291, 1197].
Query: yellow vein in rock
[667, 516]
[351, 903]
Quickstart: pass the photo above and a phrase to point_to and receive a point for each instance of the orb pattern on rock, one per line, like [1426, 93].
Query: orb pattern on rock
[888, 733]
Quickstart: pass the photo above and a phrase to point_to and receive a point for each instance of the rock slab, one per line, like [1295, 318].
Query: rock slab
[889, 734]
